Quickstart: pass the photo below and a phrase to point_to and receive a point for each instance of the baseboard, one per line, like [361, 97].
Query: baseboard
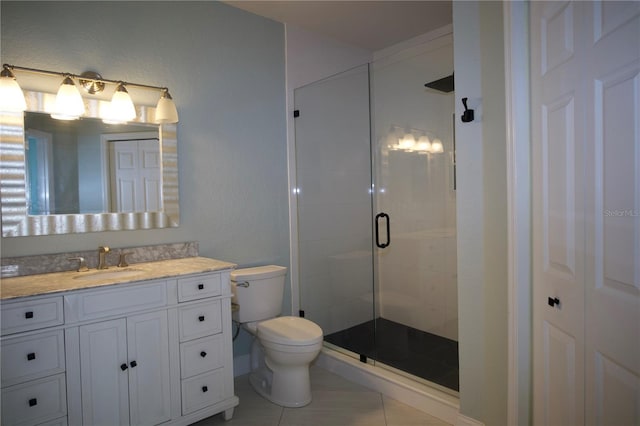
[467, 421]
[241, 365]
[416, 395]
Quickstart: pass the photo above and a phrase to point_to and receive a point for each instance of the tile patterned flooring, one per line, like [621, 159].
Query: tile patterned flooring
[336, 402]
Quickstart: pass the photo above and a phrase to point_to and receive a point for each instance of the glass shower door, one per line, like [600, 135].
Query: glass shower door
[414, 175]
[333, 172]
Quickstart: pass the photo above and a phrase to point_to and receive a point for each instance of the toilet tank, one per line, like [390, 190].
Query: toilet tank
[258, 292]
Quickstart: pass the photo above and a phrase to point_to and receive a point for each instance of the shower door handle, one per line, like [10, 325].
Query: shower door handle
[386, 217]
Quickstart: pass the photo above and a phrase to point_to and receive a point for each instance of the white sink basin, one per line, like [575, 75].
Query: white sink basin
[108, 274]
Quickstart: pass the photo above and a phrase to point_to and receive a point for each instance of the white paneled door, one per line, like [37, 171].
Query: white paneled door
[136, 183]
[585, 76]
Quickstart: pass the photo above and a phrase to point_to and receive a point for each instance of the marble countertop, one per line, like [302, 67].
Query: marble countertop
[56, 282]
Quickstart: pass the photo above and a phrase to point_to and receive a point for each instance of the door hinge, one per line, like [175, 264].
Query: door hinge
[301, 313]
[296, 113]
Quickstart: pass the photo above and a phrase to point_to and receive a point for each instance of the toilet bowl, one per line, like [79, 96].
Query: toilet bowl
[283, 347]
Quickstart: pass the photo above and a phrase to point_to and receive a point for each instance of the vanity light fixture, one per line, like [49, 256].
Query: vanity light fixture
[69, 104]
[11, 96]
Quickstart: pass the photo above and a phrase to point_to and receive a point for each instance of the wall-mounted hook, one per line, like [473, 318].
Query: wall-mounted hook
[467, 115]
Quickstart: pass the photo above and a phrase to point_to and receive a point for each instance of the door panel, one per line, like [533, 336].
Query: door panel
[105, 395]
[148, 346]
[612, 179]
[558, 213]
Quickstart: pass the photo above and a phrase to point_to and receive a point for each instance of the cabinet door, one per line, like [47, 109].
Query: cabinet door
[104, 375]
[149, 380]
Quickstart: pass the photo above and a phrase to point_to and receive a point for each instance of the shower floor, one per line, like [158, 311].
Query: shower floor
[422, 354]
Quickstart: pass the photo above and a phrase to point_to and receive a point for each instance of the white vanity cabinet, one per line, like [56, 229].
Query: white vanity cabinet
[142, 353]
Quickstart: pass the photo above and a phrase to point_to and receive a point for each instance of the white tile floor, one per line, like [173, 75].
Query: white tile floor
[336, 402]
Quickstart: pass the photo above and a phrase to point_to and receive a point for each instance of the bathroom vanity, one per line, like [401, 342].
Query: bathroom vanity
[146, 344]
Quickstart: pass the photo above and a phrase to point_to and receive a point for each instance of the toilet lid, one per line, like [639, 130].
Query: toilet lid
[292, 331]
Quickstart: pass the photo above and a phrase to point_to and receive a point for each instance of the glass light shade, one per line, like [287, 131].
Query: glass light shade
[166, 111]
[436, 146]
[407, 142]
[69, 104]
[121, 108]
[11, 96]
[424, 144]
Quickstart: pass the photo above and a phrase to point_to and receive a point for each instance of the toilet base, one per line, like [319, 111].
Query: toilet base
[290, 388]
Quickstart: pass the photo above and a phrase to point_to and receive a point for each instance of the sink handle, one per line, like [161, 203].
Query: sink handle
[122, 263]
[82, 266]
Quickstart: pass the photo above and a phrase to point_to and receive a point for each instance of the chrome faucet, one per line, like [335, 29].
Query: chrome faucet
[102, 257]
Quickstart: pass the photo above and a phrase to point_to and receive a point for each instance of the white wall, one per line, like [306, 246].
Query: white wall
[225, 69]
[482, 216]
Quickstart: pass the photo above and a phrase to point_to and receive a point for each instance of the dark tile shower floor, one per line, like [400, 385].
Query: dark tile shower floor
[422, 354]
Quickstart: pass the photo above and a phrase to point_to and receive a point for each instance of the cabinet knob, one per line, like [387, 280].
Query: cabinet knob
[203, 354]
[200, 286]
[28, 314]
[31, 356]
[554, 301]
[201, 318]
[204, 389]
[33, 402]
[133, 364]
[123, 367]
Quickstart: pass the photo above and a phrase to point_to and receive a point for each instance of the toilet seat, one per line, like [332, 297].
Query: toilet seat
[289, 331]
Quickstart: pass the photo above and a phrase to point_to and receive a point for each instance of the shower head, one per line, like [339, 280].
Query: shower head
[444, 84]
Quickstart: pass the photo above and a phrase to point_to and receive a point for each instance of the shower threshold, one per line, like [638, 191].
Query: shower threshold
[425, 355]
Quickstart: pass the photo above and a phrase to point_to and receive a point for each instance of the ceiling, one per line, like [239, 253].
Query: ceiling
[371, 25]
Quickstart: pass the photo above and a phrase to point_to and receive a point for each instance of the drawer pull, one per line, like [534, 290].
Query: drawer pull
[204, 389]
[31, 356]
[28, 314]
[134, 363]
[201, 318]
[33, 402]
[124, 367]
[200, 286]
[203, 354]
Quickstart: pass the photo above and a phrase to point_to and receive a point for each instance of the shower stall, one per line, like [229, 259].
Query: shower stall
[376, 194]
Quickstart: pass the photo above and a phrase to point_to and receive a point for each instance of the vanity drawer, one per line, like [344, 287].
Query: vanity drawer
[201, 355]
[200, 320]
[31, 315]
[199, 287]
[117, 300]
[201, 391]
[30, 357]
[34, 402]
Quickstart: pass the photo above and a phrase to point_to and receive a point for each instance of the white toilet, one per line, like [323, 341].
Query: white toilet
[283, 347]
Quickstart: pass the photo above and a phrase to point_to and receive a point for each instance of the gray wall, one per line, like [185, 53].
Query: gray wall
[225, 69]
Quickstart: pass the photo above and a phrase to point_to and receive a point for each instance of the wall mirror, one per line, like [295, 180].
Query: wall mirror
[61, 177]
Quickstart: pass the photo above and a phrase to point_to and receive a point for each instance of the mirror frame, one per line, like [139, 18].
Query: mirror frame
[16, 222]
